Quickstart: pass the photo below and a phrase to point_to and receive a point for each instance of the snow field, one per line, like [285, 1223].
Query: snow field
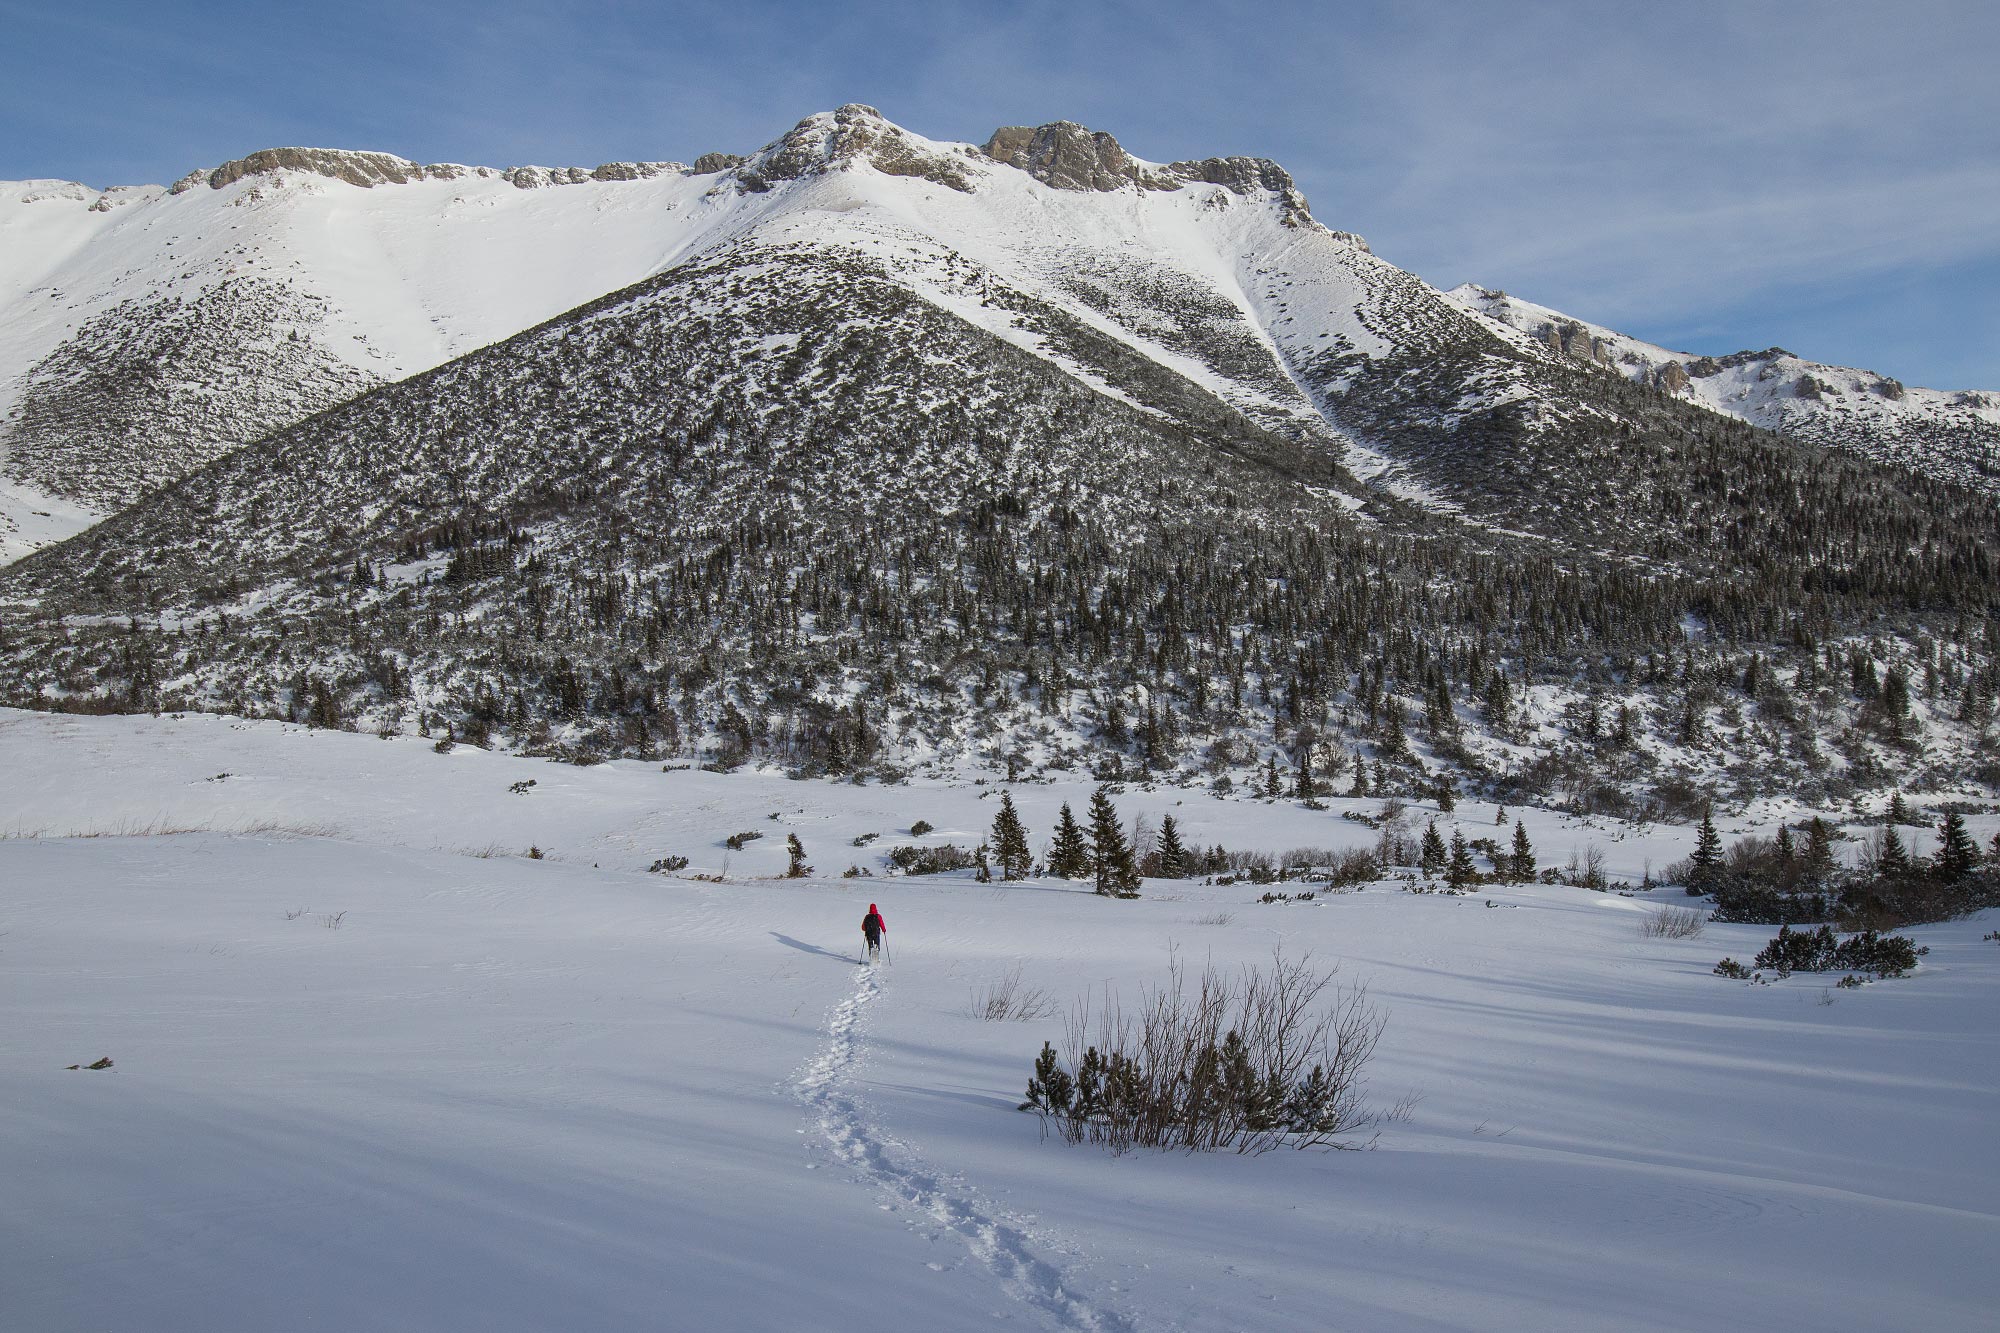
[367, 1078]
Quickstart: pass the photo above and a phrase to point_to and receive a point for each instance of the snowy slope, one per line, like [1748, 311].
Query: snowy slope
[1953, 435]
[515, 1094]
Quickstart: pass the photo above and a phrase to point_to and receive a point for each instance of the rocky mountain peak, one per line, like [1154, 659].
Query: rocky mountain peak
[1067, 156]
[853, 133]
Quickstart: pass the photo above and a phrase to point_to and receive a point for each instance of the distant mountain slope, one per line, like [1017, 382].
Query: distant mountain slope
[1954, 436]
[1032, 454]
[775, 503]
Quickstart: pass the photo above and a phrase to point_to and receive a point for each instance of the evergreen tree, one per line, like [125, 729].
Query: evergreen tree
[1360, 787]
[1460, 870]
[1110, 854]
[1303, 785]
[1894, 860]
[1447, 797]
[1430, 851]
[1394, 742]
[1957, 854]
[1499, 702]
[1522, 863]
[1010, 841]
[1787, 852]
[1273, 788]
[1069, 856]
[796, 850]
[1819, 863]
[1173, 856]
[1707, 858]
[1896, 693]
[1899, 811]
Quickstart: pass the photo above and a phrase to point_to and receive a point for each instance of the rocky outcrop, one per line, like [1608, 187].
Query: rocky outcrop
[855, 133]
[535, 178]
[364, 169]
[635, 171]
[1065, 156]
[1672, 377]
[368, 170]
[710, 163]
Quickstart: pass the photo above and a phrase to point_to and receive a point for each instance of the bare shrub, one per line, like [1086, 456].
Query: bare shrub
[1007, 1000]
[1675, 923]
[1271, 1057]
[1215, 919]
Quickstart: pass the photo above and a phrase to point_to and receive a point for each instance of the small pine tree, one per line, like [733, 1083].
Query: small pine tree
[1051, 1089]
[1110, 854]
[1522, 863]
[1273, 788]
[1303, 785]
[1360, 787]
[1394, 742]
[1173, 856]
[1069, 856]
[1430, 851]
[1707, 858]
[1447, 798]
[1819, 863]
[1787, 852]
[1893, 862]
[1957, 854]
[1899, 811]
[1460, 870]
[798, 869]
[1010, 841]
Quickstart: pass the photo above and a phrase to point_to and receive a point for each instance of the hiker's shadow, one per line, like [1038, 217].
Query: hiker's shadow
[803, 947]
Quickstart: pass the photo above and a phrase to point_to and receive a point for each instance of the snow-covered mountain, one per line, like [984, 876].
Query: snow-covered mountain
[1032, 453]
[150, 330]
[1952, 435]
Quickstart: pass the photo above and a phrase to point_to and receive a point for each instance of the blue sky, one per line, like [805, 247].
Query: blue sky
[1822, 176]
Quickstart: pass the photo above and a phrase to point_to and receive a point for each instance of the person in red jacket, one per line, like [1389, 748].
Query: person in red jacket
[873, 928]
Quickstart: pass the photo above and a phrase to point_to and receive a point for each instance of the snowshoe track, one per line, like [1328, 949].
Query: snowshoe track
[999, 1244]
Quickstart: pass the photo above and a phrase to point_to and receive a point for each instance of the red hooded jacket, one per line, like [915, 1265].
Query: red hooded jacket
[876, 917]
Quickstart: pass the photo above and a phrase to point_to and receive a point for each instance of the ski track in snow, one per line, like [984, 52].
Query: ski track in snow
[999, 1244]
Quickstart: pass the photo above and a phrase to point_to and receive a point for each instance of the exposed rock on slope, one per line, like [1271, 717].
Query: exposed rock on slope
[1953, 436]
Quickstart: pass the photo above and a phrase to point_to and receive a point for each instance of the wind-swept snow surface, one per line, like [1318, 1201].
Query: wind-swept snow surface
[374, 1067]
